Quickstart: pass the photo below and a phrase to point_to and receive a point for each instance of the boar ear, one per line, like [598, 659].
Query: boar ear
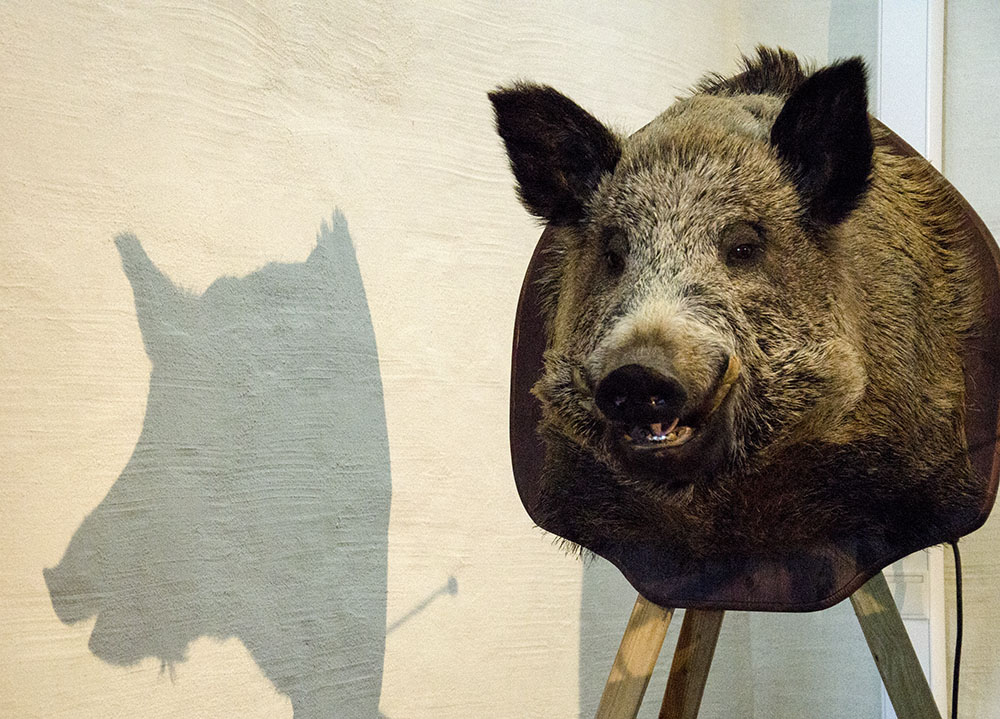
[558, 151]
[823, 137]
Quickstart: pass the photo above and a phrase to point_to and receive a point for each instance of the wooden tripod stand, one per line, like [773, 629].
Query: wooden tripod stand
[883, 628]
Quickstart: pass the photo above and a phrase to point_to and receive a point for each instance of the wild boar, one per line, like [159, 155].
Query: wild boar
[754, 308]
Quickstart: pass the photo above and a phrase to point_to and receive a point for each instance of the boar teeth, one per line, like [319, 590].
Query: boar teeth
[671, 436]
[679, 436]
[658, 434]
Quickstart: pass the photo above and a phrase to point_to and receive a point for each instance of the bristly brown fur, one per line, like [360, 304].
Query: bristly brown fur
[772, 72]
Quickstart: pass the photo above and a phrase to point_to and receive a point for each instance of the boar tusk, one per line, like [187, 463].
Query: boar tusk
[728, 380]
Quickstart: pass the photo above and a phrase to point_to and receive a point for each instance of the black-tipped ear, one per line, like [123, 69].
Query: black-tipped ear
[558, 151]
[823, 137]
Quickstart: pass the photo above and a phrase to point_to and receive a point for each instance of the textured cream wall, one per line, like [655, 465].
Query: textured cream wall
[971, 162]
[802, 26]
[223, 134]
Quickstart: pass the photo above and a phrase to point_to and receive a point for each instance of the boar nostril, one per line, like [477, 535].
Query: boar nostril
[636, 394]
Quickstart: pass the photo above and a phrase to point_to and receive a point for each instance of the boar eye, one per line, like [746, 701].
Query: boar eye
[744, 243]
[742, 253]
[614, 262]
[612, 247]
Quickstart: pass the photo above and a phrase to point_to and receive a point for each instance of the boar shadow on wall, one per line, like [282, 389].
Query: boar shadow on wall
[256, 502]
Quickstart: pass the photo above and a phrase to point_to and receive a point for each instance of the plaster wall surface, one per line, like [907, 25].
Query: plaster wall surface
[971, 159]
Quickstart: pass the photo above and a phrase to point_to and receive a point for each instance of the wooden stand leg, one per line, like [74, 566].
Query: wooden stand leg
[692, 660]
[883, 628]
[635, 661]
[894, 656]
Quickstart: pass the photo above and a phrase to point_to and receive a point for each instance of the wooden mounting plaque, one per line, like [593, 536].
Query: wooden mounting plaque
[814, 578]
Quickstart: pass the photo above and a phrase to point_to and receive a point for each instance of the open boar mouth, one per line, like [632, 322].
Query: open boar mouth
[657, 436]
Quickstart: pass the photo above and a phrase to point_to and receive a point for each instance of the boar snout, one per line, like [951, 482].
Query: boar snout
[636, 395]
[674, 428]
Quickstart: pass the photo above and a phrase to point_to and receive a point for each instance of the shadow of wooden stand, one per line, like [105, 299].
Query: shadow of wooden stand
[881, 624]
